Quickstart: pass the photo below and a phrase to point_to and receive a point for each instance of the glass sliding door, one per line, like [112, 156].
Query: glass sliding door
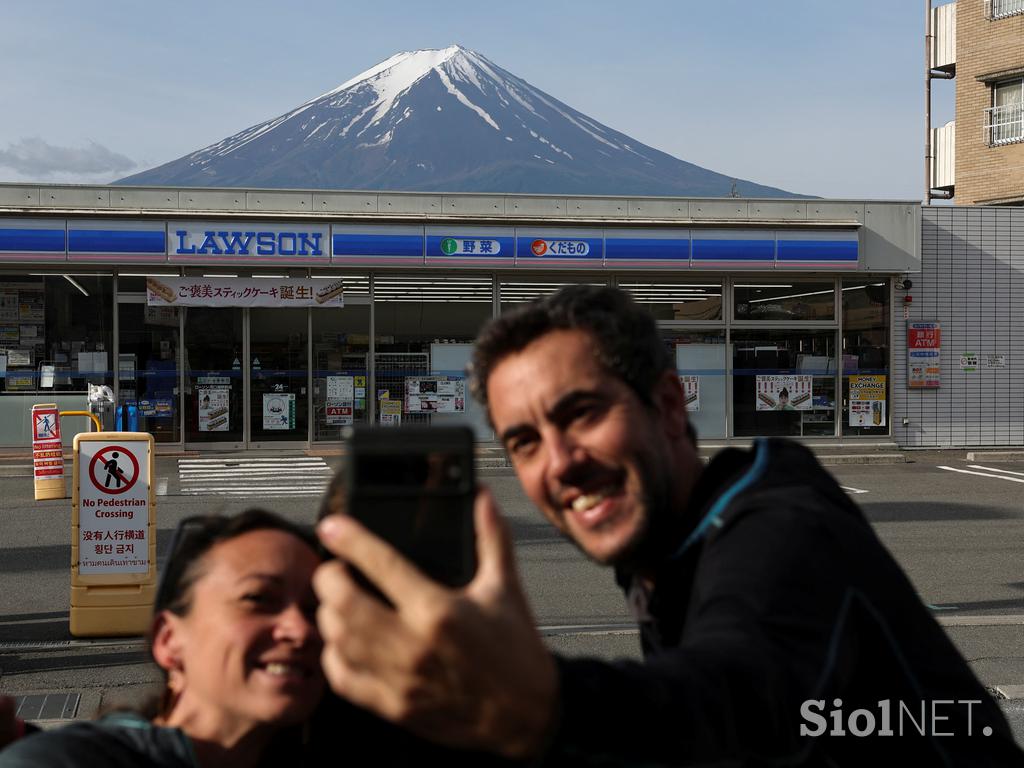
[278, 376]
[784, 382]
[214, 386]
[147, 368]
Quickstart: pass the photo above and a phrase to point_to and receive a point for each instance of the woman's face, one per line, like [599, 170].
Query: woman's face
[248, 651]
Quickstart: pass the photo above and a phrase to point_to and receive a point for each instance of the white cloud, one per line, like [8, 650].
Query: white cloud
[34, 158]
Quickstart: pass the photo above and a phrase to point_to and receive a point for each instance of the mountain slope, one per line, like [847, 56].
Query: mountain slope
[442, 120]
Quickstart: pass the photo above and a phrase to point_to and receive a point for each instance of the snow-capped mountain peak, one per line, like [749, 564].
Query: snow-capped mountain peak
[443, 119]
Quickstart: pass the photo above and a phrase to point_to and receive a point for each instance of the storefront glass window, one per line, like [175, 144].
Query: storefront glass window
[700, 363]
[792, 300]
[55, 333]
[516, 292]
[865, 357]
[341, 347]
[425, 328]
[699, 300]
[147, 370]
[783, 382]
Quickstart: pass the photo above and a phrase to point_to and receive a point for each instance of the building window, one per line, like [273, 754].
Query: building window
[1005, 118]
[794, 300]
[998, 9]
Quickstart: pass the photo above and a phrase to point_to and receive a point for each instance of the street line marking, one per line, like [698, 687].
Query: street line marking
[995, 469]
[247, 459]
[852, 490]
[983, 474]
[589, 629]
[279, 477]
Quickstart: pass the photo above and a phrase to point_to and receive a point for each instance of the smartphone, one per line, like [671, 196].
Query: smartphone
[414, 486]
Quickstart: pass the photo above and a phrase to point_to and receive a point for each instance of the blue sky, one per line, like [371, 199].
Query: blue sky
[816, 97]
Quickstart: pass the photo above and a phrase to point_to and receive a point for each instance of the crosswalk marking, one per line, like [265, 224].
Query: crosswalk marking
[265, 477]
[983, 474]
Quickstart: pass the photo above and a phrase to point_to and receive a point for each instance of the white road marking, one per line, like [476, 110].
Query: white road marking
[852, 490]
[995, 469]
[281, 477]
[983, 474]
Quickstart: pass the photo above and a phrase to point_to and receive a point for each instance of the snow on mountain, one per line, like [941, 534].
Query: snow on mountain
[441, 120]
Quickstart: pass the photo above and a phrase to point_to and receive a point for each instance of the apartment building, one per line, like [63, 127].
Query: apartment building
[978, 159]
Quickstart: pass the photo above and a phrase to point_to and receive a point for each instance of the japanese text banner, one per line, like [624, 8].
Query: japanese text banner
[243, 292]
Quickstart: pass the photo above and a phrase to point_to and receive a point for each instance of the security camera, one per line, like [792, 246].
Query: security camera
[905, 284]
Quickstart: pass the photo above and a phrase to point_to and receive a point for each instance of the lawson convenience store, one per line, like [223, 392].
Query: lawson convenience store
[268, 326]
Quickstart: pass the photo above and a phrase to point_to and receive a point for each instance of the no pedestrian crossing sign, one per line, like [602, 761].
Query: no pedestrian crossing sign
[114, 506]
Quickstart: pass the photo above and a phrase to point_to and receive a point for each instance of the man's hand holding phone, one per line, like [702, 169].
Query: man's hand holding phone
[463, 667]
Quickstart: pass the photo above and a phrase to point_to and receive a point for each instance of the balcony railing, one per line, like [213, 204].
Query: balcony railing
[1004, 125]
[997, 9]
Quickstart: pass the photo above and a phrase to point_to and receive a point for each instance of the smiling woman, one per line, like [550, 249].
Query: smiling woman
[234, 633]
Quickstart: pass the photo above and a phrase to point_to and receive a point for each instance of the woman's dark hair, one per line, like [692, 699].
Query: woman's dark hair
[198, 536]
[626, 339]
[193, 539]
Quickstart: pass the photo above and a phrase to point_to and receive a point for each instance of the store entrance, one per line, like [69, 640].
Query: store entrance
[246, 378]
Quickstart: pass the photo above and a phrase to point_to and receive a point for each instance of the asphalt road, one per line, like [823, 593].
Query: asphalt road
[958, 534]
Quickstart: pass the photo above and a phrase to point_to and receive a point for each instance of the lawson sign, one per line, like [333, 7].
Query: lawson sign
[227, 241]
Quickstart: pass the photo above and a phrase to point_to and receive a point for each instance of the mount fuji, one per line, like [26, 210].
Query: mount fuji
[445, 120]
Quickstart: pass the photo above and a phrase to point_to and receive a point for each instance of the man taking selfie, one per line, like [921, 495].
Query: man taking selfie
[776, 628]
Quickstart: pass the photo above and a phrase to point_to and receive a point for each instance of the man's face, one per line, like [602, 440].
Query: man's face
[594, 459]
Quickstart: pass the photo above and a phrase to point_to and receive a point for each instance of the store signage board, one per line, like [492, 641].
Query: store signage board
[924, 354]
[113, 534]
[47, 453]
[480, 246]
[560, 248]
[243, 292]
[114, 506]
[369, 244]
[100, 241]
[221, 242]
[647, 248]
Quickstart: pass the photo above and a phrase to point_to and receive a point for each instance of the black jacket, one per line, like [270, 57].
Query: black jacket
[781, 595]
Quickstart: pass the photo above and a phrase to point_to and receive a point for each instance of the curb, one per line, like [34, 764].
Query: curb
[1010, 692]
[995, 456]
[862, 458]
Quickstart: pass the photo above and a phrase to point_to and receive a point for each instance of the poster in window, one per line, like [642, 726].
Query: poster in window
[19, 357]
[213, 409]
[435, 394]
[390, 413]
[691, 391]
[340, 397]
[867, 401]
[8, 307]
[279, 410]
[30, 306]
[784, 393]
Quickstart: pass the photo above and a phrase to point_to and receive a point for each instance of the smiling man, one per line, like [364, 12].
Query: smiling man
[764, 599]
